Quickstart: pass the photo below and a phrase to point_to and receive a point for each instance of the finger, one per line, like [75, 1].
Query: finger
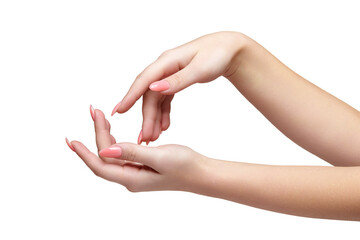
[108, 126]
[168, 63]
[113, 140]
[150, 110]
[100, 168]
[177, 81]
[139, 140]
[157, 127]
[148, 156]
[103, 137]
[165, 112]
[154, 72]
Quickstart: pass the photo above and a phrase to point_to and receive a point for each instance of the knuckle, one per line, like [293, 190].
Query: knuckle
[147, 94]
[130, 155]
[204, 70]
[138, 76]
[107, 160]
[159, 155]
[166, 53]
[102, 132]
[97, 172]
[177, 78]
[132, 187]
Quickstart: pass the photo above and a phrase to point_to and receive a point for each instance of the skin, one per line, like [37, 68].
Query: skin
[309, 116]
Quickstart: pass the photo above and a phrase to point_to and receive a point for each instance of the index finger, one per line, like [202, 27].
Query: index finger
[154, 72]
[111, 172]
[167, 64]
[103, 137]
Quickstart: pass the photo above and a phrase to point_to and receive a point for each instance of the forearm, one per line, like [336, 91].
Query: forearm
[311, 191]
[308, 115]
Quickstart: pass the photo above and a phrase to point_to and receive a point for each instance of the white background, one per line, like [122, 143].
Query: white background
[57, 57]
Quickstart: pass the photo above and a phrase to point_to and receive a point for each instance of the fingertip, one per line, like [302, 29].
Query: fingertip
[156, 132]
[99, 116]
[69, 144]
[98, 112]
[92, 113]
[76, 144]
[166, 108]
[113, 140]
[139, 140]
[165, 121]
[147, 129]
[116, 108]
[154, 138]
[108, 125]
[159, 86]
[125, 106]
[146, 135]
[114, 151]
[165, 126]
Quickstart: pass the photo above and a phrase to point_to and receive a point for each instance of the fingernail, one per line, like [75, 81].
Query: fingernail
[69, 144]
[114, 152]
[159, 86]
[92, 112]
[140, 137]
[115, 108]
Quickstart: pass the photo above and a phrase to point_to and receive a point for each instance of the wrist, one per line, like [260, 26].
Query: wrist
[204, 178]
[242, 44]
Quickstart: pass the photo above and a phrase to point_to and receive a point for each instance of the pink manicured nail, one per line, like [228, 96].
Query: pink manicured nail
[159, 86]
[69, 144]
[140, 137]
[114, 151]
[115, 108]
[92, 112]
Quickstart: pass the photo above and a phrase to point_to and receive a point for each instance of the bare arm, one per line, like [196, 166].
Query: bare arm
[308, 115]
[311, 117]
[310, 191]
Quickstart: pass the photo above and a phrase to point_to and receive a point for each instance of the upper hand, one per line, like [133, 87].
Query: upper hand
[199, 61]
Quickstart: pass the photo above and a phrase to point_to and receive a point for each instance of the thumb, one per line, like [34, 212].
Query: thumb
[132, 152]
[175, 82]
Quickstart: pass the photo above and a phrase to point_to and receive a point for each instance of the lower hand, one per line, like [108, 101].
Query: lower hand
[139, 168]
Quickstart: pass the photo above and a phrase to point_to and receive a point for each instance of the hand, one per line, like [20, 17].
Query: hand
[139, 168]
[199, 61]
